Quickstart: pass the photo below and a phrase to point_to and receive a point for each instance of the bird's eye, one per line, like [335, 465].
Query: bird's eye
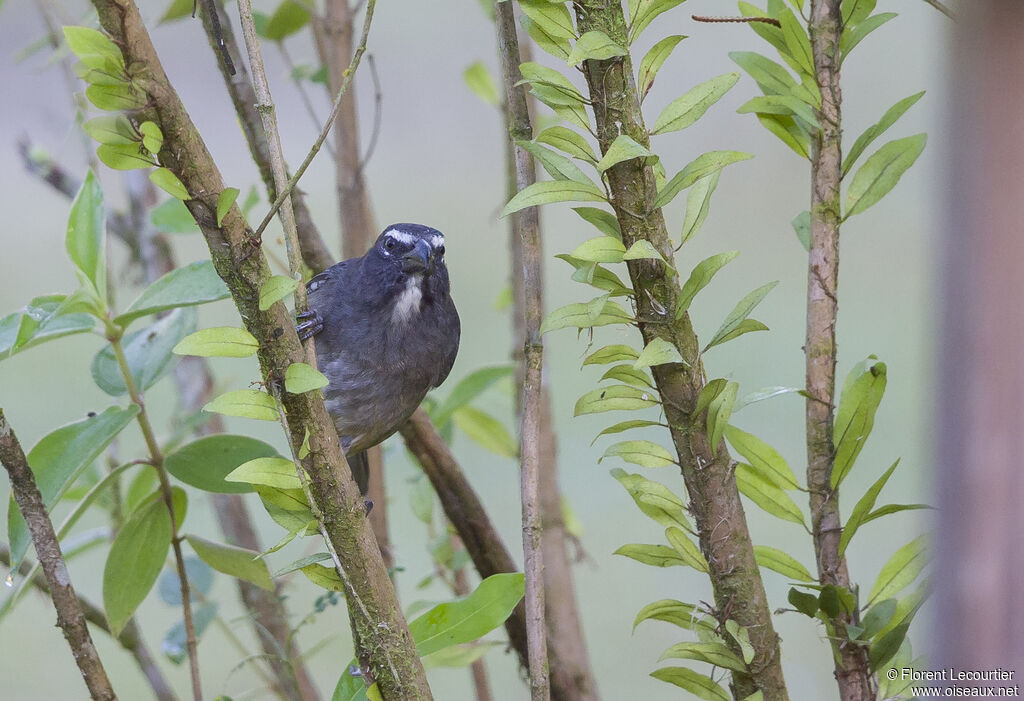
[440, 250]
[389, 244]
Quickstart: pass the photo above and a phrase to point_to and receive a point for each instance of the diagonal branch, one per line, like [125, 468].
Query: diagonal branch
[62, 593]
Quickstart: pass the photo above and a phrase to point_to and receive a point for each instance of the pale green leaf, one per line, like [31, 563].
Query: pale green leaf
[686, 548]
[713, 653]
[124, 156]
[762, 457]
[86, 234]
[205, 462]
[798, 45]
[552, 18]
[152, 137]
[685, 110]
[113, 98]
[233, 561]
[553, 191]
[658, 352]
[289, 17]
[863, 507]
[245, 403]
[226, 198]
[642, 453]
[579, 315]
[302, 377]
[219, 341]
[594, 46]
[654, 499]
[614, 398]
[486, 430]
[781, 562]
[611, 354]
[781, 105]
[700, 167]
[467, 389]
[643, 12]
[881, 172]
[767, 495]
[274, 472]
[469, 618]
[875, 130]
[136, 557]
[653, 555]
[624, 426]
[685, 616]
[551, 87]
[196, 283]
[700, 685]
[111, 129]
[567, 141]
[802, 226]
[557, 166]
[276, 288]
[92, 47]
[719, 411]
[855, 34]
[173, 217]
[699, 278]
[900, 571]
[740, 312]
[169, 183]
[479, 80]
[788, 132]
[652, 62]
[557, 46]
[698, 204]
[862, 393]
[642, 249]
[602, 249]
[624, 148]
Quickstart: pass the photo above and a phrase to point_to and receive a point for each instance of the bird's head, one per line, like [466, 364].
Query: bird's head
[409, 261]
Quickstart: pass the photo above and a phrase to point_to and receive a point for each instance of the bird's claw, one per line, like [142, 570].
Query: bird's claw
[310, 324]
[368, 504]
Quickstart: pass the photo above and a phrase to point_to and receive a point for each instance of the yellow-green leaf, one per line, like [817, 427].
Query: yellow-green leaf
[226, 198]
[245, 403]
[271, 472]
[657, 352]
[219, 341]
[302, 377]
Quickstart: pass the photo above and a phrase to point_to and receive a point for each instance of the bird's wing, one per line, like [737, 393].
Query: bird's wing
[452, 350]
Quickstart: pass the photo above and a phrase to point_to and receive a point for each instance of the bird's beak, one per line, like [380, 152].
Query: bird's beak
[419, 260]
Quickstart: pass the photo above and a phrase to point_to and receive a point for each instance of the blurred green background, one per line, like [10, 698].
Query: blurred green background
[439, 161]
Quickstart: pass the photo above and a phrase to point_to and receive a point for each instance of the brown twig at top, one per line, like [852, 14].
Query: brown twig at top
[852, 670]
[69, 614]
[528, 226]
[746, 20]
[129, 639]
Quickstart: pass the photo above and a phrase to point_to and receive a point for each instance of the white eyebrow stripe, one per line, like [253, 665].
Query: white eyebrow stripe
[437, 240]
[401, 236]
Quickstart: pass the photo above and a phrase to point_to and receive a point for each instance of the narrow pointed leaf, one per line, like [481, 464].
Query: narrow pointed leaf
[863, 507]
[699, 278]
[469, 618]
[700, 685]
[713, 653]
[652, 62]
[781, 562]
[642, 249]
[594, 45]
[226, 198]
[557, 166]
[245, 403]
[220, 341]
[685, 110]
[875, 130]
[762, 457]
[233, 561]
[86, 234]
[686, 548]
[766, 495]
[602, 249]
[197, 283]
[642, 453]
[854, 35]
[700, 167]
[611, 354]
[553, 18]
[579, 316]
[567, 141]
[276, 288]
[719, 412]
[698, 204]
[685, 616]
[653, 555]
[274, 472]
[624, 148]
[169, 183]
[740, 312]
[643, 12]
[557, 46]
[861, 395]
[136, 557]
[882, 171]
[486, 430]
[657, 352]
[302, 377]
[900, 571]
[654, 499]
[553, 191]
[615, 398]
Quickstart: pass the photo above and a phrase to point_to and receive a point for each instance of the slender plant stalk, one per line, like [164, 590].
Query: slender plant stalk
[69, 614]
[239, 261]
[708, 474]
[528, 225]
[825, 28]
[156, 459]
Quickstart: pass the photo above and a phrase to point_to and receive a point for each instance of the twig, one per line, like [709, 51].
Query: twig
[378, 109]
[315, 148]
[852, 670]
[303, 93]
[62, 593]
[744, 20]
[156, 459]
[528, 226]
[129, 638]
[938, 5]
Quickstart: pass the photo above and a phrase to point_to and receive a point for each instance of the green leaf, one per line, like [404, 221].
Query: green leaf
[458, 655]
[781, 562]
[785, 105]
[863, 507]
[762, 457]
[92, 48]
[233, 561]
[686, 548]
[699, 278]
[653, 555]
[624, 426]
[683, 615]
[788, 131]
[893, 509]
[901, 569]
[58, 460]
[772, 78]
[798, 45]
[611, 354]
[557, 166]
[601, 249]
[642, 453]
[467, 389]
[86, 234]
[643, 12]
[700, 167]
[652, 62]
[881, 172]
[136, 557]
[124, 156]
[245, 403]
[196, 283]
[114, 98]
[614, 398]
[274, 472]
[324, 577]
[890, 117]
[174, 644]
[479, 80]
[551, 87]
[553, 191]
[37, 324]
[152, 137]
[220, 342]
[469, 618]
[700, 685]
[658, 352]
[855, 11]
[350, 687]
[624, 148]
[654, 499]
[557, 46]
[552, 18]
[594, 46]
[578, 315]
[173, 217]
[176, 9]
[861, 395]
[226, 198]
[486, 430]
[698, 204]
[766, 495]
[642, 249]
[276, 288]
[302, 377]
[629, 375]
[205, 462]
[886, 647]
[803, 602]
[765, 393]
[421, 500]
[719, 411]
[685, 110]
[740, 312]
[148, 352]
[111, 129]
[802, 226]
[713, 653]
[169, 183]
[567, 141]
[854, 35]
[289, 17]
[876, 618]
[302, 562]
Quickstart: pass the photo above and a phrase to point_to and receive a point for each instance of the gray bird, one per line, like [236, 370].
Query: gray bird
[386, 333]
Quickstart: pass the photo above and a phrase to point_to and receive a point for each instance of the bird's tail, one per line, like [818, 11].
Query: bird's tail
[360, 466]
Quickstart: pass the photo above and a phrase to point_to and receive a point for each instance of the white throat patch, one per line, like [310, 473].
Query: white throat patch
[408, 301]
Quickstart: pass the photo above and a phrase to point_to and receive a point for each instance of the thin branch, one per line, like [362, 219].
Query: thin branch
[528, 226]
[938, 5]
[852, 669]
[62, 593]
[129, 638]
[307, 102]
[739, 20]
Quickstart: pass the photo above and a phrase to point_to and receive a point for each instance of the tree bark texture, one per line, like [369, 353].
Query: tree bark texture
[709, 477]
